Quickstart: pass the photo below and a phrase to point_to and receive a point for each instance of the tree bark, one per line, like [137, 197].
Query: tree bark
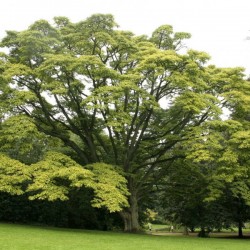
[130, 215]
[185, 231]
[240, 232]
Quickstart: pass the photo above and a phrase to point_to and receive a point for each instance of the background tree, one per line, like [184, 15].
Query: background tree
[223, 147]
[182, 199]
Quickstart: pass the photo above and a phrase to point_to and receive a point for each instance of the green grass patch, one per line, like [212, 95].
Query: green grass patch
[19, 237]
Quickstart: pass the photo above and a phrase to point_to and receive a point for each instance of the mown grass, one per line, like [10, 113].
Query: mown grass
[19, 237]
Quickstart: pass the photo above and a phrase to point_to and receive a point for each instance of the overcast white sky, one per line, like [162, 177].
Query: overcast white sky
[218, 27]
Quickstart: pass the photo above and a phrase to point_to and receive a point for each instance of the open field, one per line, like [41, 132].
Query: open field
[19, 237]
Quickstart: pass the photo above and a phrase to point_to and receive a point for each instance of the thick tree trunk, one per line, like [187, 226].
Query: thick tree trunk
[130, 215]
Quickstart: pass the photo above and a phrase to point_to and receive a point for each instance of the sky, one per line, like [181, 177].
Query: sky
[218, 27]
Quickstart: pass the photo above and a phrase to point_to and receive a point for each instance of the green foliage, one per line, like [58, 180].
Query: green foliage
[109, 187]
[182, 196]
[20, 139]
[13, 175]
[223, 150]
[223, 145]
[165, 38]
[57, 174]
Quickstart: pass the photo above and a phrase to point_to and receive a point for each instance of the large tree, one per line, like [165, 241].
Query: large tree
[111, 96]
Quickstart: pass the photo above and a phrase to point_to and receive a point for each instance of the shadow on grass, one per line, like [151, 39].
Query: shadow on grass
[234, 236]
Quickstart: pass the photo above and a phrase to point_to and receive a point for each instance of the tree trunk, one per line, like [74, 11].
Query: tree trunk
[185, 231]
[203, 233]
[130, 215]
[240, 232]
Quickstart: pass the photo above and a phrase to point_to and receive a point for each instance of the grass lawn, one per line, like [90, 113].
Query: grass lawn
[19, 237]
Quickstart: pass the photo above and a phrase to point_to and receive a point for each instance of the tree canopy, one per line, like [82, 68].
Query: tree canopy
[114, 98]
